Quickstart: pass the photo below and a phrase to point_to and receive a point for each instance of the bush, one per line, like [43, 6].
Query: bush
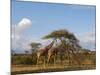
[27, 60]
[16, 59]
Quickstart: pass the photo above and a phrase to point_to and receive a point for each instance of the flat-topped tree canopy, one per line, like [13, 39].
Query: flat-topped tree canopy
[57, 34]
[34, 45]
[63, 34]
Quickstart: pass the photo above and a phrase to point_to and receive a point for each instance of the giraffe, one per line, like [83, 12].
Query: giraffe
[54, 51]
[51, 52]
[62, 49]
[43, 51]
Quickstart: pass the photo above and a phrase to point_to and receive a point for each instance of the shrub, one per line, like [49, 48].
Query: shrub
[22, 60]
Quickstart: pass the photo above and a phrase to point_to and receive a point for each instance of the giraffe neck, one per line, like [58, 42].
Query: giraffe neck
[50, 46]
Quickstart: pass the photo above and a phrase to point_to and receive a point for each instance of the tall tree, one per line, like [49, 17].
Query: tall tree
[65, 37]
[34, 47]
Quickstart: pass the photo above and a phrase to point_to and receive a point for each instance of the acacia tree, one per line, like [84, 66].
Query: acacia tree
[34, 46]
[65, 38]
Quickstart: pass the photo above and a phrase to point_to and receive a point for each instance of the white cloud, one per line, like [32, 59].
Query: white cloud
[24, 24]
[87, 37]
[18, 41]
[87, 40]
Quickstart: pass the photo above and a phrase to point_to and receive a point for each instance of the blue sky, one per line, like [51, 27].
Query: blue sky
[46, 17]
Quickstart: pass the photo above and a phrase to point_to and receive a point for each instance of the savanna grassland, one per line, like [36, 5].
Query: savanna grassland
[66, 55]
[28, 66]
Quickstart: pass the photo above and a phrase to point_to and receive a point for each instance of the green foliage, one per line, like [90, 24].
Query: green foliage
[63, 35]
[15, 59]
[26, 60]
[22, 60]
[34, 58]
[35, 45]
[57, 34]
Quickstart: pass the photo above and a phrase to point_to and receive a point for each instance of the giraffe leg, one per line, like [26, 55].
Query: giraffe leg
[44, 62]
[54, 58]
[48, 59]
[38, 56]
[37, 61]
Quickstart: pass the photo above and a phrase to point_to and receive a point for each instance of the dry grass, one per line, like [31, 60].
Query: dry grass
[18, 69]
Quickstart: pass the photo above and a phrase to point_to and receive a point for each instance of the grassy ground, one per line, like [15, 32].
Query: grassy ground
[22, 69]
[88, 62]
